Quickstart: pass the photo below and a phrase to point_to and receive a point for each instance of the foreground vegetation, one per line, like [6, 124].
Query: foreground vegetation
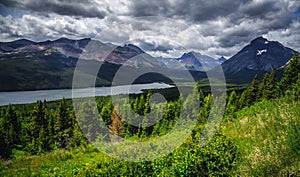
[264, 138]
[259, 135]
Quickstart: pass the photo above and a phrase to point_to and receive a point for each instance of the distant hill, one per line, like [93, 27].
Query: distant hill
[12, 46]
[28, 65]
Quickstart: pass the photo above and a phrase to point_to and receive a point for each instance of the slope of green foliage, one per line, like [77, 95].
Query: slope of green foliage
[259, 135]
[267, 135]
[262, 141]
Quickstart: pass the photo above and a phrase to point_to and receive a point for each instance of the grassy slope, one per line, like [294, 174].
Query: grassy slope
[267, 136]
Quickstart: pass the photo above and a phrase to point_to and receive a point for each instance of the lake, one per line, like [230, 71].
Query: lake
[22, 97]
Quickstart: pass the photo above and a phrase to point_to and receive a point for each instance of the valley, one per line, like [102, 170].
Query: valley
[188, 88]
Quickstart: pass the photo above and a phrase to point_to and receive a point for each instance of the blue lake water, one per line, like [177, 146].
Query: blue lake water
[22, 97]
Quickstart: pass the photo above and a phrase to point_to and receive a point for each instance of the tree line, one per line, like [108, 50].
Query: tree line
[43, 128]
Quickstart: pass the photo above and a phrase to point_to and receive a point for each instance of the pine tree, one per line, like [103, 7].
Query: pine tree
[63, 120]
[202, 117]
[141, 105]
[93, 124]
[267, 88]
[263, 87]
[5, 141]
[39, 125]
[191, 104]
[78, 137]
[243, 101]
[253, 90]
[296, 89]
[201, 97]
[205, 110]
[290, 74]
[273, 92]
[51, 137]
[5, 146]
[106, 113]
[147, 104]
[39, 119]
[64, 124]
[250, 95]
[12, 126]
[232, 106]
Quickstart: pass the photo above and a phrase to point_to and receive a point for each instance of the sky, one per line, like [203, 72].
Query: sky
[165, 28]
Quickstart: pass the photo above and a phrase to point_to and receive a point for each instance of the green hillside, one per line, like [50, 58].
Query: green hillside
[258, 136]
[266, 137]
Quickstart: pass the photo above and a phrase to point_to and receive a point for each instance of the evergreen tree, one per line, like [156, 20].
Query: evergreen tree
[39, 119]
[205, 110]
[232, 106]
[64, 124]
[296, 89]
[273, 92]
[63, 119]
[147, 104]
[106, 113]
[250, 95]
[253, 90]
[89, 119]
[201, 97]
[5, 146]
[202, 117]
[78, 137]
[243, 101]
[263, 87]
[12, 126]
[290, 74]
[51, 137]
[39, 124]
[141, 105]
[191, 103]
[267, 89]
[5, 141]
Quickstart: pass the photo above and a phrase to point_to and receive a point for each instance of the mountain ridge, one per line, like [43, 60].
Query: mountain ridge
[29, 65]
[260, 55]
[259, 49]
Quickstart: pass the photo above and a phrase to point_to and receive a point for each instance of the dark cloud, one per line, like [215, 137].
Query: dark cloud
[202, 10]
[241, 21]
[213, 27]
[12, 12]
[199, 11]
[236, 38]
[142, 8]
[193, 10]
[259, 9]
[84, 8]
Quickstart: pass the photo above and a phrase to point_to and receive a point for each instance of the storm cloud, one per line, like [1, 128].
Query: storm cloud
[84, 8]
[159, 26]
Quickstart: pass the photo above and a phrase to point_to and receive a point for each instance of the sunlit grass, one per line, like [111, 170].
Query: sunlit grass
[266, 135]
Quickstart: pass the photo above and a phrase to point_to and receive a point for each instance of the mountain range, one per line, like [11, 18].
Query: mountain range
[192, 61]
[29, 65]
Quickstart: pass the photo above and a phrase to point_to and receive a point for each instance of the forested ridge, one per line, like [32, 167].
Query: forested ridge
[51, 131]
